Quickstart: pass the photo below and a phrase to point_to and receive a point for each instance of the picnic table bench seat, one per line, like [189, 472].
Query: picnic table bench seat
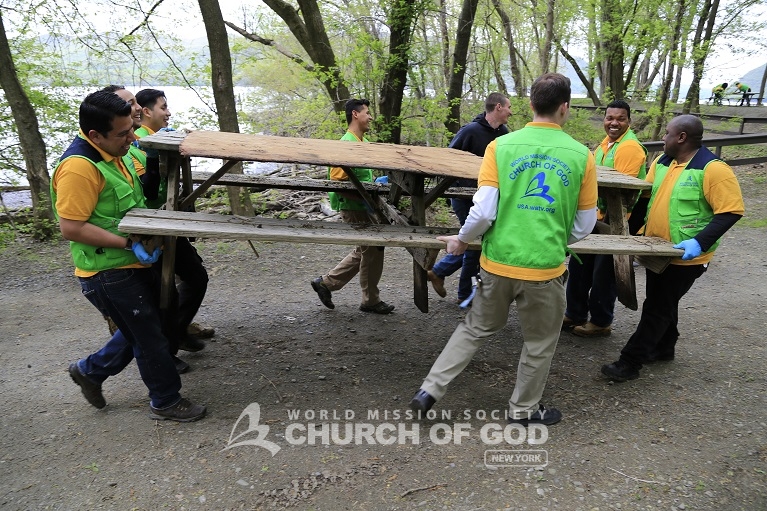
[207, 225]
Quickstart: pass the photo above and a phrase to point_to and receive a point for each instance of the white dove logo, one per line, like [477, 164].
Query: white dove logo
[253, 412]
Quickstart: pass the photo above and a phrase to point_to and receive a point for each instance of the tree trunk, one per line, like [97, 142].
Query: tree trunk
[516, 73]
[664, 92]
[313, 38]
[400, 21]
[761, 86]
[458, 71]
[30, 140]
[700, 47]
[223, 93]
[611, 49]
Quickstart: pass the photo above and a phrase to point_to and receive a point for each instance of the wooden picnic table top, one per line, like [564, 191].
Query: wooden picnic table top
[427, 161]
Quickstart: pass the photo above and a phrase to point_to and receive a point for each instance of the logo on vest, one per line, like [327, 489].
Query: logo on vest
[538, 188]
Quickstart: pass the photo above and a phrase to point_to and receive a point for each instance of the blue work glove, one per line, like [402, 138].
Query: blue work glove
[384, 180]
[165, 129]
[691, 249]
[143, 256]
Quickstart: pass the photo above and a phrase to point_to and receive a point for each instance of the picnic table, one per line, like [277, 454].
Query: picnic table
[408, 168]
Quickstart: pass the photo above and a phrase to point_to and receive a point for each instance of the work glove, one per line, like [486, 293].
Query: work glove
[691, 249]
[383, 180]
[143, 256]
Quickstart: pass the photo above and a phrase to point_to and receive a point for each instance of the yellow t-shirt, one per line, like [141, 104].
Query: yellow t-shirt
[488, 176]
[77, 184]
[720, 188]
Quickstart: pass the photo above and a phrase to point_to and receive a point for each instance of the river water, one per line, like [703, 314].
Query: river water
[190, 109]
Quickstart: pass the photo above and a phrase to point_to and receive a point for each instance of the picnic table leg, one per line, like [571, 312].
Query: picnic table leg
[617, 200]
[169, 165]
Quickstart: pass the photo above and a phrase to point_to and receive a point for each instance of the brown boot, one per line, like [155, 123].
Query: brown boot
[592, 330]
[437, 282]
[199, 331]
[568, 324]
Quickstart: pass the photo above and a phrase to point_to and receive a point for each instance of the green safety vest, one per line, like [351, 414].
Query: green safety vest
[162, 192]
[539, 186]
[608, 160]
[689, 212]
[339, 202]
[115, 200]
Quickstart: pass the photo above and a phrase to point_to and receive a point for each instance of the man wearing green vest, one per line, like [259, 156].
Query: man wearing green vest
[93, 186]
[591, 288]
[695, 199]
[537, 190]
[189, 266]
[367, 261]
[744, 89]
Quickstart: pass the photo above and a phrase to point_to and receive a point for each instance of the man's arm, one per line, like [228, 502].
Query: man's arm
[586, 214]
[481, 216]
[89, 234]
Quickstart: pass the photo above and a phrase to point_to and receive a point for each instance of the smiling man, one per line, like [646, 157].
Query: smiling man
[93, 186]
[695, 199]
[591, 289]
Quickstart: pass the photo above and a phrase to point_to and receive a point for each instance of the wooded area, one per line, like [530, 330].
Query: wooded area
[426, 65]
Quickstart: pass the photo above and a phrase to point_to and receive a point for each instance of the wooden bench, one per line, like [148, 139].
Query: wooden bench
[206, 225]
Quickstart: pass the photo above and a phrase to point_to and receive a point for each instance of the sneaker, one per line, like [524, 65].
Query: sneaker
[183, 411]
[437, 282]
[568, 324]
[592, 330]
[189, 343]
[620, 371]
[181, 366]
[379, 308]
[91, 391]
[323, 292]
[546, 416]
[422, 401]
[200, 331]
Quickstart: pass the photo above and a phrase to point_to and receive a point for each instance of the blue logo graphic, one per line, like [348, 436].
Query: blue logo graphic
[538, 188]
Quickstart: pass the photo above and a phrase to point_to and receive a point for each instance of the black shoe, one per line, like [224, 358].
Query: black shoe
[546, 416]
[422, 401]
[91, 391]
[181, 366]
[183, 411]
[379, 308]
[657, 357]
[189, 343]
[323, 292]
[620, 371]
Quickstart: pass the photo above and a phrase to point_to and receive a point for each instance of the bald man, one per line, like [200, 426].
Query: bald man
[695, 199]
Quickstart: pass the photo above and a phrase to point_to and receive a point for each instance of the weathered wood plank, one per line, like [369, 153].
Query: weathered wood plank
[312, 185]
[433, 161]
[205, 225]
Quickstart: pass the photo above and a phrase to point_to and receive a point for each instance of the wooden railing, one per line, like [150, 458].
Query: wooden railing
[716, 144]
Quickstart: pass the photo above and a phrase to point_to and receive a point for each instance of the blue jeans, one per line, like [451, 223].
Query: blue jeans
[591, 289]
[468, 263]
[129, 297]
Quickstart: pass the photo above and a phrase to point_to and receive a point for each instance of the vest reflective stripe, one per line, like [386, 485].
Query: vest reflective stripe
[114, 201]
[339, 202]
[688, 212]
[539, 188]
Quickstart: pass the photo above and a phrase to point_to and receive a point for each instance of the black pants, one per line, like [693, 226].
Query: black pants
[656, 334]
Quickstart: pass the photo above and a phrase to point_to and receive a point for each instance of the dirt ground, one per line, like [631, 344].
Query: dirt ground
[687, 435]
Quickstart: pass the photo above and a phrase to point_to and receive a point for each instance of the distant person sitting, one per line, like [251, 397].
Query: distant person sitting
[718, 93]
[745, 90]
